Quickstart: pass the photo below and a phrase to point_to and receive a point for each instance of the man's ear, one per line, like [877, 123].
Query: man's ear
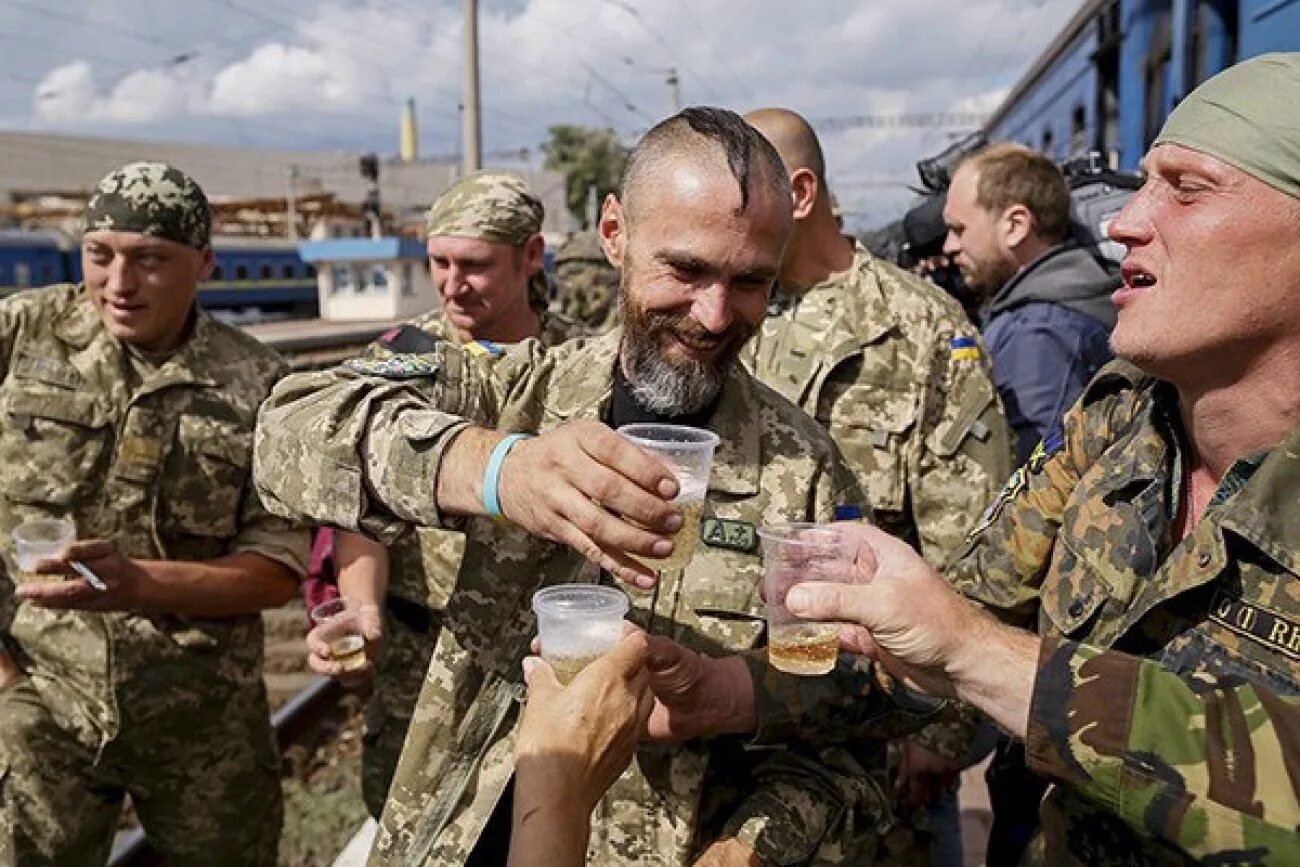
[613, 230]
[1017, 225]
[805, 186]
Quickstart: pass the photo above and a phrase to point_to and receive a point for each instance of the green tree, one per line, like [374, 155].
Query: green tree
[587, 158]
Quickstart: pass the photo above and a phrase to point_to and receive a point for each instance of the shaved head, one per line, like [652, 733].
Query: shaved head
[793, 138]
[703, 136]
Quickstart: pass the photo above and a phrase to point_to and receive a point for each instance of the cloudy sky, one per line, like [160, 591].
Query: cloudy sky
[307, 74]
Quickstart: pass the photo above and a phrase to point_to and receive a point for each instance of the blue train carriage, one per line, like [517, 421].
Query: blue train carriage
[31, 259]
[1115, 71]
[262, 273]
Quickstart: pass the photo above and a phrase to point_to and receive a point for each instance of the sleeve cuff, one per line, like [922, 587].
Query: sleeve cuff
[290, 548]
[1081, 710]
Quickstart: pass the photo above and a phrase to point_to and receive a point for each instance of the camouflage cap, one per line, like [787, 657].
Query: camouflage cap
[492, 206]
[152, 199]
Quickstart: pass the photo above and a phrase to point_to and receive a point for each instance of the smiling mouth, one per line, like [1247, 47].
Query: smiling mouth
[1137, 278]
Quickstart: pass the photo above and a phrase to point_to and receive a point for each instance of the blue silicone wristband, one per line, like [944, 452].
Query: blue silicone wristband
[492, 474]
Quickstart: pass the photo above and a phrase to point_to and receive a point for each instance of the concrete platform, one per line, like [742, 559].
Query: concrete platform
[303, 335]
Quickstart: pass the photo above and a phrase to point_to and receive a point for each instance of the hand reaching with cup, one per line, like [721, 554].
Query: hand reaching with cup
[345, 641]
[574, 741]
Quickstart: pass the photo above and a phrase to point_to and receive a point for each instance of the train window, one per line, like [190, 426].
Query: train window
[22, 275]
[47, 274]
[1078, 130]
[2, 273]
[218, 273]
[287, 271]
[342, 278]
[311, 270]
[267, 271]
[241, 271]
[1048, 142]
[408, 285]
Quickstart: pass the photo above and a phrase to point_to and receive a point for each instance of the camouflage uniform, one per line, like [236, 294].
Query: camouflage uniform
[893, 369]
[385, 424]
[422, 567]
[171, 709]
[588, 283]
[1190, 751]
[154, 454]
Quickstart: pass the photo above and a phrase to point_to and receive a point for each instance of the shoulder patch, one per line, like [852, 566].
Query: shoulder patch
[398, 366]
[1267, 627]
[964, 349]
[1012, 489]
[408, 339]
[485, 349]
[1051, 443]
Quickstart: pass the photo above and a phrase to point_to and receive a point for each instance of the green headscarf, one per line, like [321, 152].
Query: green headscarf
[1249, 117]
[151, 199]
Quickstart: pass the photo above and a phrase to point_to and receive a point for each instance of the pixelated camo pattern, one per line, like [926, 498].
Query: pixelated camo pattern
[152, 199]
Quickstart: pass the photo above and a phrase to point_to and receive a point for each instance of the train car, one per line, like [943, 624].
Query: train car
[250, 274]
[1109, 79]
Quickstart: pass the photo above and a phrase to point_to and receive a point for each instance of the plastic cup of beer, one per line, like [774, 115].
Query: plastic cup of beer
[792, 554]
[38, 539]
[577, 624]
[688, 452]
[338, 624]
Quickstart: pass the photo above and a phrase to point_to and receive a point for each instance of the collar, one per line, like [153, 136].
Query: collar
[853, 303]
[582, 387]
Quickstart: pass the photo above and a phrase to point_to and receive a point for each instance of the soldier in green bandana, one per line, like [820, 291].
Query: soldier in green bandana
[128, 411]
[485, 253]
[1142, 571]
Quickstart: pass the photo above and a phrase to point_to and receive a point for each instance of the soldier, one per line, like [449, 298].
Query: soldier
[381, 444]
[1144, 562]
[485, 251]
[129, 412]
[891, 366]
[588, 283]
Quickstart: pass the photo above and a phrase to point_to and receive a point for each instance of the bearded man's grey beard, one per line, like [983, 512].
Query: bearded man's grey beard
[664, 387]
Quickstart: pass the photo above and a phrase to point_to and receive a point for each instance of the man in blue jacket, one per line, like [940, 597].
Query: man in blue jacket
[1048, 317]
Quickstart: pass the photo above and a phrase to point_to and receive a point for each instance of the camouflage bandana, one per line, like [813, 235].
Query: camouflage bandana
[152, 199]
[492, 206]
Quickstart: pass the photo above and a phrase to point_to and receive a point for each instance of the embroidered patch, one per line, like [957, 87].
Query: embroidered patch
[397, 366]
[485, 349]
[734, 535]
[965, 349]
[1267, 627]
[1048, 446]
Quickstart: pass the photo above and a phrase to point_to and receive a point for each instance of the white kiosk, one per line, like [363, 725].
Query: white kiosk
[369, 279]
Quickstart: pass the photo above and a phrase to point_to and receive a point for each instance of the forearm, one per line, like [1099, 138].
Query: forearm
[230, 586]
[994, 672]
[362, 568]
[551, 825]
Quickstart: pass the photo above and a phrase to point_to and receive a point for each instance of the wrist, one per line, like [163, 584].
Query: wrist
[995, 670]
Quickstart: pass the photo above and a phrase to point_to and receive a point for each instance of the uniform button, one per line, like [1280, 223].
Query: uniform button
[1076, 607]
[1203, 560]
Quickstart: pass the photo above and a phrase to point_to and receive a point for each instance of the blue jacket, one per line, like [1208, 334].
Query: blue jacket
[1048, 333]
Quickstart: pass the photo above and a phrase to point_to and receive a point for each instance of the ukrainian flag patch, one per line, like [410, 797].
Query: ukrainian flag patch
[964, 349]
[485, 349]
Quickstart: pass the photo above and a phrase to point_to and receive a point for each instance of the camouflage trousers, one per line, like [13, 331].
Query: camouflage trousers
[204, 782]
[399, 676]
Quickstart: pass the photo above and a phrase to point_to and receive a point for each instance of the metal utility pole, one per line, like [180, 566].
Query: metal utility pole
[471, 126]
[674, 97]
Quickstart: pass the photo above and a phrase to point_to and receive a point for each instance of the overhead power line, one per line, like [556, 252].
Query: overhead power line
[912, 120]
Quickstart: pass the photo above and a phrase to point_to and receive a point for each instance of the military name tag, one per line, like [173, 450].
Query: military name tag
[1267, 627]
[733, 535]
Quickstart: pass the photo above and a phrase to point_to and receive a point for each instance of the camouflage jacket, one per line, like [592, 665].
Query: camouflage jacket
[1079, 548]
[359, 446]
[588, 284]
[154, 457]
[893, 369]
[424, 561]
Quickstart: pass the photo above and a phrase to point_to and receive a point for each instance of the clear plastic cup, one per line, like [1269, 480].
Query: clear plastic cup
[338, 624]
[577, 624]
[688, 452]
[792, 554]
[38, 539]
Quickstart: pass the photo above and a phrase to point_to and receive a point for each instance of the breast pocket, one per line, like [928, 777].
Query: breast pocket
[721, 595]
[205, 483]
[54, 446]
[871, 425]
